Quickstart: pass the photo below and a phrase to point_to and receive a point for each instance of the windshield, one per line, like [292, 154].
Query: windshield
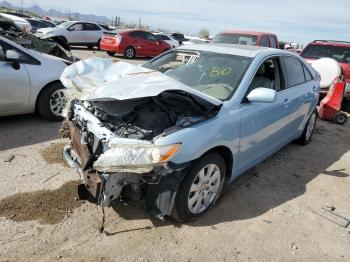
[340, 53]
[239, 39]
[217, 75]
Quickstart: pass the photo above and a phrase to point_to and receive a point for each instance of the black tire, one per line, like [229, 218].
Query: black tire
[90, 46]
[98, 44]
[340, 118]
[43, 102]
[305, 138]
[110, 53]
[181, 211]
[129, 52]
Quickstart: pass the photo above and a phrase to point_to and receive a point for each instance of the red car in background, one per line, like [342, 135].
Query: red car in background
[247, 38]
[339, 51]
[133, 43]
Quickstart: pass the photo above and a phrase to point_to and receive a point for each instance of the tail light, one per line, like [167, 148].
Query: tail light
[118, 38]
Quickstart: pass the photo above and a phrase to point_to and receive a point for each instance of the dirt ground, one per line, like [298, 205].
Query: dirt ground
[273, 213]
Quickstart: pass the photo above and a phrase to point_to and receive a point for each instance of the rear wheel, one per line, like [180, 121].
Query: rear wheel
[306, 136]
[98, 44]
[340, 118]
[201, 188]
[51, 102]
[110, 53]
[129, 52]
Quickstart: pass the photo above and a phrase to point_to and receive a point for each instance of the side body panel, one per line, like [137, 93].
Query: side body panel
[14, 89]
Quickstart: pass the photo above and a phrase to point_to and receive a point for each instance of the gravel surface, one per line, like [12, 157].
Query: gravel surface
[273, 213]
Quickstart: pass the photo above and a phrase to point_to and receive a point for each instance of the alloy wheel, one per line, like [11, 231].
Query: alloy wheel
[204, 189]
[57, 102]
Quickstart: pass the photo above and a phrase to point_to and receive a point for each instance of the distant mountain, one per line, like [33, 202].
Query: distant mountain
[54, 13]
[7, 5]
[36, 10]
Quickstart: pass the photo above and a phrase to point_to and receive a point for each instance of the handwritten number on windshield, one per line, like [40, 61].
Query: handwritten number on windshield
[220, 71]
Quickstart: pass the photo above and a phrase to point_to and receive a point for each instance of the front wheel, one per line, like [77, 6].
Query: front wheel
[306, 136]
[51, 102]
[201, 188]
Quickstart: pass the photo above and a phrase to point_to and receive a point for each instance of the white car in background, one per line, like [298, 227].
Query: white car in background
[75, 33]
[168, 39]
[20, 22]
[193, 40]
[29, 82]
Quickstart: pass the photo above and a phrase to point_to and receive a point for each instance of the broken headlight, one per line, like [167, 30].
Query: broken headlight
[135, 158]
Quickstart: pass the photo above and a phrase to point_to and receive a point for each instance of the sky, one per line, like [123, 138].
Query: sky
[294, 20]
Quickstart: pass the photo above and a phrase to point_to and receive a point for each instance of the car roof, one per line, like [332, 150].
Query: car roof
[231, 49]
[330, 42]
[13, 17]
[244, 32]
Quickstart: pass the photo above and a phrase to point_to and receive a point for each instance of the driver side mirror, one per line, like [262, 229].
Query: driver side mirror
[262, 94]
[14, 57]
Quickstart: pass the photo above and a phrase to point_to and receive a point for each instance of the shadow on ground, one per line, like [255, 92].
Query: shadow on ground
[282, 177]
[24, 130]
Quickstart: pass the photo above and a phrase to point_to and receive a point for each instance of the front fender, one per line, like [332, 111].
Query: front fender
[222, 130]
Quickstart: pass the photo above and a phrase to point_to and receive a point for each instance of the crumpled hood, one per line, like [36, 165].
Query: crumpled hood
[102, 79]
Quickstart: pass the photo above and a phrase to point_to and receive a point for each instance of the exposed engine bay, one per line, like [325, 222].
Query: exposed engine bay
[148, 118]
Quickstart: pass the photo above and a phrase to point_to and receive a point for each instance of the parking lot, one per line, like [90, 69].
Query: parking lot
[272, 213]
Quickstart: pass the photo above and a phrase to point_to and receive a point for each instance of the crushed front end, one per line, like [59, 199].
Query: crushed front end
[114, 146]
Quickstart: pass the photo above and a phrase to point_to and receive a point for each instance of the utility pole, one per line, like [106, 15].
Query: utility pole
[139, 22]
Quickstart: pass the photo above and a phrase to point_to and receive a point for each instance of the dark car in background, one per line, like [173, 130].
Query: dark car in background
[179, 37]
[246, 38]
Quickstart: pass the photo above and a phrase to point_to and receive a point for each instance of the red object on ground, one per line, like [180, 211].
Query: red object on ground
[330, 105]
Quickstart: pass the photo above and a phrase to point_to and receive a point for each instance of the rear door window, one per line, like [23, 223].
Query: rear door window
[273, 41]
[91, 27]
[150, 37]
[294, 70]
[265, 41]
[137, 34]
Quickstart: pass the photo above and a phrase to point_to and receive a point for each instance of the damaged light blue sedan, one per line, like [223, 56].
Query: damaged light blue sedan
[173, 131]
